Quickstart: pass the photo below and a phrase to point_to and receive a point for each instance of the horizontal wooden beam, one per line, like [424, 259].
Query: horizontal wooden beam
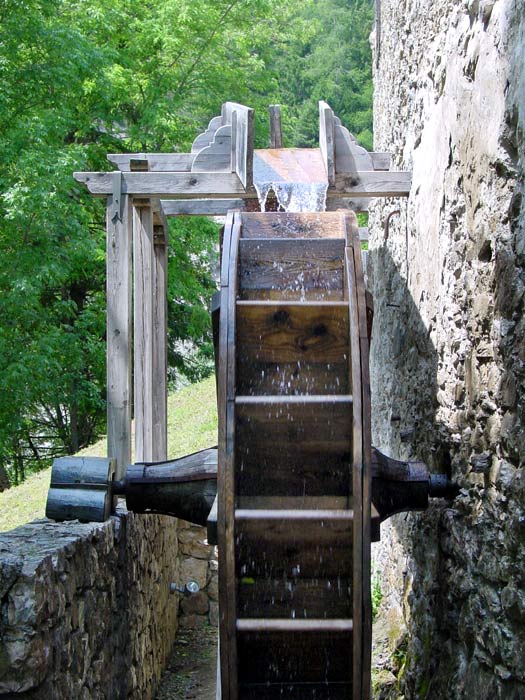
[372, 183]
[165, 185]
[201, 207]
[156, 162]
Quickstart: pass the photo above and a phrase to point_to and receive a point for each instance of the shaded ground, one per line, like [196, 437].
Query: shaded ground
[191, 672]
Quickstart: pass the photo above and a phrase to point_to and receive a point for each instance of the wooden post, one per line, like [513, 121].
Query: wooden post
[160, 348]
[118, 286]
[276, 135]
[143, 274]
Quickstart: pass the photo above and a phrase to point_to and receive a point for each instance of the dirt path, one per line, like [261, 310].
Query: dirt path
[192, 668]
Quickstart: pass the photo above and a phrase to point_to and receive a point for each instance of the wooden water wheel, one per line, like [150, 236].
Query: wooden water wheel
[295, 515]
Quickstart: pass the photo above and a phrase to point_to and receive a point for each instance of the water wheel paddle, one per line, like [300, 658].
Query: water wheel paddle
[295, 517]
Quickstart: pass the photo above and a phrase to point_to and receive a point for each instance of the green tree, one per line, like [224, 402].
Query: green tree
[330, 59]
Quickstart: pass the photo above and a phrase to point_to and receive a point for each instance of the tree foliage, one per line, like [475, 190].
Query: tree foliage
[81, 78]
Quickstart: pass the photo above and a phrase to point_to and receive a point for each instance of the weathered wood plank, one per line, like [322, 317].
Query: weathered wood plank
[357, 461]
[367, 512]
[295, 268]
[293, 332]
[281, 657]
[242, 140]
[283, 548]
[279, 598]
[226, 458]
[295, 625]
[160, 348]
[217, 156]
[374, 183]
[119, 315]
[310, 443]
[326, 140]
[214, 185]
[296, 691]
[334, 203]
[160, 221]
[164, 185]
[143, 273]
[201, 207]
[203, 140]
[349, 155]
[277, 225]
[276, 135]
[157, 162]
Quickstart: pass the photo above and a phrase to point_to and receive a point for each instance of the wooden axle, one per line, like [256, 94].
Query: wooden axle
[82, 488]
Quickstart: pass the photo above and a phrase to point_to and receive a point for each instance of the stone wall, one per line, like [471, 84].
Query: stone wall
[86, 610]
[198, 562]
[448, 354]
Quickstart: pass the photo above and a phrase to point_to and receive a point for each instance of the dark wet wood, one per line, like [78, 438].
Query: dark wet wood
[314, 449]
[298, 459]
[291, 269]
[302, 597]
[275, 225]
[357, 467]
[292, 657]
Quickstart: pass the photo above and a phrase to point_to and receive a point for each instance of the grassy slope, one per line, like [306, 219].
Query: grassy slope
[192, 425]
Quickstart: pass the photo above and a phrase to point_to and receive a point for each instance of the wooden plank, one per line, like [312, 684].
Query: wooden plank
[119, 314]
[160, 349]
[292, 502]
[291, 268]
[226, 455]
[358, 458]
[296, 399]
[201, 207]
[277, 225]
[276, 135]
[242, 139]
[293, 331]
[292, 348]
[326, 140]
[206, 137]
[164, 185]
[294, 549]
[349, 155]
[367, 461]
[313, 455]
[160, 222]
[217, 156]
[374, 183]
[279, 598]
[157, 162]
[358, 204]
[143, 274]
[292, 516]
[283, 657]
[293, 625]
[296, 691]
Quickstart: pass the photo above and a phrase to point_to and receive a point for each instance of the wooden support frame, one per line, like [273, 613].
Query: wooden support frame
[150, 327]
[119, 315]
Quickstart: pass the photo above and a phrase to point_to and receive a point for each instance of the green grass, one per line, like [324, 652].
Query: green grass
[192, 426]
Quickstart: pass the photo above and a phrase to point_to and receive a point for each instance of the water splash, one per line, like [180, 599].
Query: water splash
[294, 197]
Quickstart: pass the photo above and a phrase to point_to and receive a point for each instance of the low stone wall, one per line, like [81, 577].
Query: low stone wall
[86, 609]
[198, 562]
